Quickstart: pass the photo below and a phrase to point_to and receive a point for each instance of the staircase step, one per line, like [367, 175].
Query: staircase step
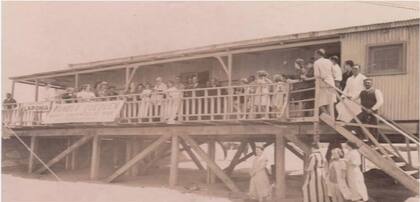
[400, 164]
[407, 167]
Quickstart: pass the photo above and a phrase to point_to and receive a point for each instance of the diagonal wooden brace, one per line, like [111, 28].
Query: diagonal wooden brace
[138, 157]
[211, 164]
[66, 152]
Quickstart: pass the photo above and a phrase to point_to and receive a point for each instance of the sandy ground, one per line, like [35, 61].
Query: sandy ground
[21, 187]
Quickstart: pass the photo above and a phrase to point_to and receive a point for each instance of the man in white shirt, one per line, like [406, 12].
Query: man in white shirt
[337, 73]
[371, 99]
[346, 109]
[323, 71]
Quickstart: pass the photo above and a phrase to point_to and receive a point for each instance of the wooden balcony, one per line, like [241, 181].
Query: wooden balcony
[290, 103]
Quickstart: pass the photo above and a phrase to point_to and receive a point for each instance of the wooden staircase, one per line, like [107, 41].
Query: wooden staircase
[389, 158]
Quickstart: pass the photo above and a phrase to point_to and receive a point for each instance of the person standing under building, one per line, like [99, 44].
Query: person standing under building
[314, 187]
[259, 185]
[338, 190]
[323, 70]
[337, 73]
[347, 109]
[354, 175]
[371, 99]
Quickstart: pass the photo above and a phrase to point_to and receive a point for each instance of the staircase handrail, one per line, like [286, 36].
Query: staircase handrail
[380, 117]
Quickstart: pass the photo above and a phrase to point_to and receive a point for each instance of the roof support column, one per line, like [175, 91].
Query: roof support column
[226, 67]
[13, 88]
[129, 75]
[36, 90]
[76, 81]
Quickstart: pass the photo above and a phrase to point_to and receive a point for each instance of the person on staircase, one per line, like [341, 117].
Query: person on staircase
[355, 178]
[346, 109]
[371, 99]
[323, 69]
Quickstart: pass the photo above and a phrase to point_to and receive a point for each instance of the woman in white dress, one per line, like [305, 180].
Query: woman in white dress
[259, 185]
[323, 69]
[262, 96]
[279, 101]
[355, 179]
[144, 109]
[172, 102]
[338, 190]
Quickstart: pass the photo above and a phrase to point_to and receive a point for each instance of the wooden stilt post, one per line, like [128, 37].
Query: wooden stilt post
[13, 89]
[136, 147]
[67, 159]
[74, 160]
[128, 151]
[280, 152]
[96, 157]
[173, 175]
[211, 178]
[115, 152]
[34, 148]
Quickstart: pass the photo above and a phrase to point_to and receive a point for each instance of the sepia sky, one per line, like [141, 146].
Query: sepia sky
[44, 36]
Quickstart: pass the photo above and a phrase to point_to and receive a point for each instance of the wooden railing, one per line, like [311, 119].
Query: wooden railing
[287, 102]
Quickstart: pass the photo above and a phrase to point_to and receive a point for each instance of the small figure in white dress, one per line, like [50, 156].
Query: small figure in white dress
[259, 185]
[172, 102]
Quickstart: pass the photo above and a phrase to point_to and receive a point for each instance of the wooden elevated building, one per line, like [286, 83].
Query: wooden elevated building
[208, 115]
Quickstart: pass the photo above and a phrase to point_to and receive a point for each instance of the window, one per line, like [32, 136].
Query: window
[386, 59]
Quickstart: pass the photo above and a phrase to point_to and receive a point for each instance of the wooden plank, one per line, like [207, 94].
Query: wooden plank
[173, 172]
[74, 159]
[34, 148]
[385, 164]
[68, 157]
[280, 153]
[161, 155]
[211, 145]
[66, 152]
[96, 157]
[136, 147]
[302, 145]
[212, 165]
[249, 155]
[152, 147]
[128, 153]
[191, 154]
[295, 152]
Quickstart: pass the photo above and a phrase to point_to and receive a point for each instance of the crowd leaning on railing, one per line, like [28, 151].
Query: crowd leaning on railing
[259, 96]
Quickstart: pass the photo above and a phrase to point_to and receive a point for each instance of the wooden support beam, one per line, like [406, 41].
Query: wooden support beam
[297, 153]
[212, 165]
[136, 147]
[191, 154]
[161, 155]
[280, 153]
[34, 148]
[74, 159]
[76, 82]
[138, 157]
[301, 144]
[211, 145]
[249, 155]
[66, 152]
[236, 157]
[96, 157]
[173, 172]
[128, 153]
[67, 159]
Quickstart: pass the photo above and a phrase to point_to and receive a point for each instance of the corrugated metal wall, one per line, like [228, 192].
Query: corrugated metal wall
[401, 91]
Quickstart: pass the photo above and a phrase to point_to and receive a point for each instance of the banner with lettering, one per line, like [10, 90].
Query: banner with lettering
[86, 112]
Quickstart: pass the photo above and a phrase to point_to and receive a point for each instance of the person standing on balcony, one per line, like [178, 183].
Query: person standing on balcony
[314, 187]
[323, 69]
[337, 73]
[144, 109]
[173, 101]
[158, 95]
[354, 175]
[347, 109]
[347, 73]
[371, 99]
[86, 93]
[281, 89]
[9, 102]
[262, 97]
